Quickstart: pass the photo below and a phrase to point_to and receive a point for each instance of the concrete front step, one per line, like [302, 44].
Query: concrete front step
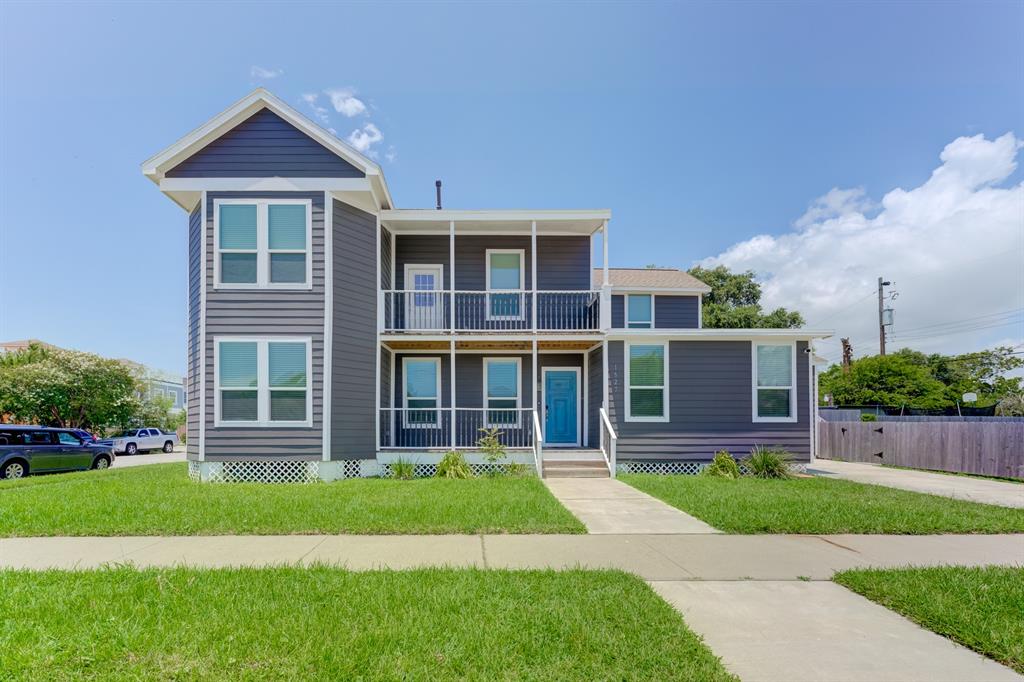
[572, 455]
[574, 469]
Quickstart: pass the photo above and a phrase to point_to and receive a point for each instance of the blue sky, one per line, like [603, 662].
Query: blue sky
[700, 125]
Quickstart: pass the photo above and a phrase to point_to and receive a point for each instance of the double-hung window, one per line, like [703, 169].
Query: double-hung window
[263, 382]
[774, 373]
[639, 311]
[646, 385]
[262, 243]
[505, 272]
[421, 399]
[501, 391]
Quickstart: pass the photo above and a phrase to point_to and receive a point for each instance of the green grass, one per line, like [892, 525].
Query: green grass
[821, 505]
[161, 500]
[981, 608]
[325, 623]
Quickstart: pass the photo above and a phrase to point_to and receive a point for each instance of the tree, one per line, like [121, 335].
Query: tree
[983, 373]
[735, 302]
[156, 411]
[67, 388]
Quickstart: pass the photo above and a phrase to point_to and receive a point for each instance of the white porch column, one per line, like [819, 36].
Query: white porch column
[451, 388]
[535, 371]
[604, 247]
[451, 278]
[533, 274]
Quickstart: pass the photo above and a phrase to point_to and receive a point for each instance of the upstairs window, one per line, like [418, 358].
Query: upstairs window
[422, 382]
[501, 388]
[774, 374]
[505, 272]
[262, 243]
[639, 311]
[263, 382]
[646, 387]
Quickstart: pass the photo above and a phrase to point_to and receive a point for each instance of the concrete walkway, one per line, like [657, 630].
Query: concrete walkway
[652, 557]
[812, 631]
[122, 461]
[607, 506]
[1002, 493]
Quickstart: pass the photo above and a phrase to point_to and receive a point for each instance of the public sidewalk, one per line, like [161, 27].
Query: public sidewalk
[987, 491]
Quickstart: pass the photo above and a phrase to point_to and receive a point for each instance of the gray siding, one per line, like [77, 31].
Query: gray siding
[385, 259]
[264, 313]
[563, 263]
[709, 406]
[264, 145]
[354, 335]
[596, 388]
[670, 312]
[193, 361]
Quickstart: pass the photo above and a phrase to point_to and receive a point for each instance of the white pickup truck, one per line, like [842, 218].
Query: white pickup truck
[142, 440]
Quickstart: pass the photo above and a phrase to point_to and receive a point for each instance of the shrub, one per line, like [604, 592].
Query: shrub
[768, 463]
[453, 465]
[517, 469]
[722, 466]
[403, 469]
[868, 417]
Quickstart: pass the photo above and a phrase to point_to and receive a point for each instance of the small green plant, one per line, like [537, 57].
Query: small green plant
[453, 465]
[768, 463]
[722, 466]
[517, 469]
[866, 417]
[403, 469]
[493, 449]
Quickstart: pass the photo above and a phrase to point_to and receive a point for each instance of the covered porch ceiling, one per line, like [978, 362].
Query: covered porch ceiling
[430, 221]
[524, 346]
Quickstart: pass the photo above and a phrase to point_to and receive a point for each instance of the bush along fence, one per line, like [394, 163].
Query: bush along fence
[987, 448]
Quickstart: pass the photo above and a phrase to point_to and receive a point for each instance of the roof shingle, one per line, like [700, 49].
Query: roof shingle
[649, 278]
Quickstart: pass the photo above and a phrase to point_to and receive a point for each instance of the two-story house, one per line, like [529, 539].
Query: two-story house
[330, 333]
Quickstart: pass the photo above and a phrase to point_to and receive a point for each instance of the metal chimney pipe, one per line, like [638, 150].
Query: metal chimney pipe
[437, 185]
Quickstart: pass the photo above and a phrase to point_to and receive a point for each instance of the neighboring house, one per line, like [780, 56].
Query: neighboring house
[330, 332]
[158, 383]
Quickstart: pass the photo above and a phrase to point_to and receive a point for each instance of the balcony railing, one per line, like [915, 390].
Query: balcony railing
[431, 429]
[470, 311]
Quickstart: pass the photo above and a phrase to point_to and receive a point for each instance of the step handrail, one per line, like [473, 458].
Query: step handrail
[538, 445]
[609, 450]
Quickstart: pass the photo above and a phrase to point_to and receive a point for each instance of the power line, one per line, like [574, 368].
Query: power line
[967, 320]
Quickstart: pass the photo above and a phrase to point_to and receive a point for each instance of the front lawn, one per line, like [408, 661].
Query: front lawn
[981, 608]
[160, 499]
[821, 505]
[325, 623]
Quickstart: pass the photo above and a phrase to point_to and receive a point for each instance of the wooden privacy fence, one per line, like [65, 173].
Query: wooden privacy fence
[970, 447]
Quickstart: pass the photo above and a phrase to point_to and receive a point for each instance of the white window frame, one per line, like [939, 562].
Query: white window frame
[793, 417]
[519, 391]
[625, 312]
[520, 291]
[436, 424]
[263, 250]
[665, 409]
[262, 382]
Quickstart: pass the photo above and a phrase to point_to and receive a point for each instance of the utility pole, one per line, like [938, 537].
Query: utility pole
[881, 308]
[847, 355]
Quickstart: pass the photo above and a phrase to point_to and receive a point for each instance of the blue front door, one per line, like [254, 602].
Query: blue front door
[561, 419]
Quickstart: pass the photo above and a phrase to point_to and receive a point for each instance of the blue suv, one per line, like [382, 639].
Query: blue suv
[39, 449]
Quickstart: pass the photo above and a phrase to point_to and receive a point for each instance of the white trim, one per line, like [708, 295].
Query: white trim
[605, 383]
[498, 215]
[519, 391]
[579, 407]
[710, 334]
[202, 330]
[263, 251]
[377, 346]
[792, 387]
[436, 424]
[586, 397]
[625, 312]
[519, 292]
[326, 391]
[451, 283]
[605, 281]
[687, 291]
[263, 388]
[665, 406]
[700, 312]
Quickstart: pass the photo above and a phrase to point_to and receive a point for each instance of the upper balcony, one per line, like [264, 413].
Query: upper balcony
[491, 271]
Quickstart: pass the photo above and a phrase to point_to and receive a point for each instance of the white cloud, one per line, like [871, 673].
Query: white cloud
[953, 247]
[264, 74]
[345, 102]
[311, 98]
[364, 138]
[391, 154]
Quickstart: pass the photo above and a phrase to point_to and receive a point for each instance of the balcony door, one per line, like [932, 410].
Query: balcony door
[424, 310]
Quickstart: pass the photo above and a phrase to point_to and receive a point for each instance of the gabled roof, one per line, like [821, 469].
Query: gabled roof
[650, 278]
[157, 166]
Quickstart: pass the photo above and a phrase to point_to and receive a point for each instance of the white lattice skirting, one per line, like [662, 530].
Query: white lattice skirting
[428, 470]
[255, 472]
[683, 468]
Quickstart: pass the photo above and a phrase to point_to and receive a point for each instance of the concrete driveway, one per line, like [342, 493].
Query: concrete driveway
[122, 461]
[969, 488]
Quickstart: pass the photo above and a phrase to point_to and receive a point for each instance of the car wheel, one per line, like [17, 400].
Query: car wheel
[131, 449]
[14, 469]
[101, 462]
[168, 446]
